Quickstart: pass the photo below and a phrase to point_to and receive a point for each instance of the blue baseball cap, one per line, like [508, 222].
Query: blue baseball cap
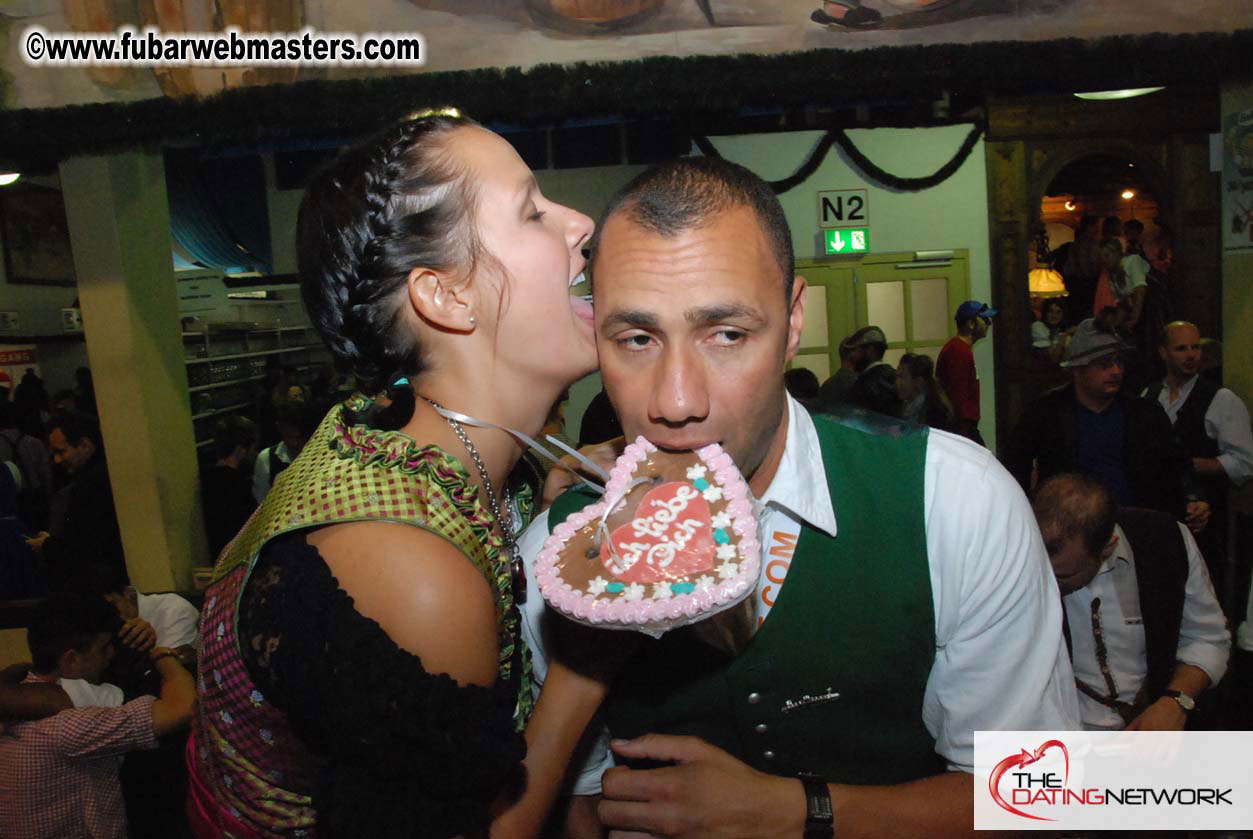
[974, 309]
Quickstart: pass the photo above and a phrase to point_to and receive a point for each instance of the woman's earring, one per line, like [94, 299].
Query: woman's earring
[472, 320]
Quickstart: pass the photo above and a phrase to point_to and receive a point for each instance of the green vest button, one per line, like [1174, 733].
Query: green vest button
[761, 728]
[754, 698]
[768, 755]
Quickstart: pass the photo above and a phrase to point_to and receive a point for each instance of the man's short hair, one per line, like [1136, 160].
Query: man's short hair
[1075, 505]
[297, 415]
[67, 621]
[98, 579]
[1163, 335]
[77, 426]
[1133, 226]
[690, 192]
[232, 432]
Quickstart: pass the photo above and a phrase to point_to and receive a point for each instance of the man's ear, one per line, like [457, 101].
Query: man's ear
[1110, 546]
[440, 300]
[68, 665]
[796, 316]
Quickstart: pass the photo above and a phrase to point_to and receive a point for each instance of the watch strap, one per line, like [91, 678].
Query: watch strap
[1186, 702]
[819, 816]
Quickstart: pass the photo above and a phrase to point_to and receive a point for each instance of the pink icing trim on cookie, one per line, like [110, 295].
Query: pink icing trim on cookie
[650, 613]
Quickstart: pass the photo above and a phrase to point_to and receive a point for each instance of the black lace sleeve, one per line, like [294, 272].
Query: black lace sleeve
[408, 753]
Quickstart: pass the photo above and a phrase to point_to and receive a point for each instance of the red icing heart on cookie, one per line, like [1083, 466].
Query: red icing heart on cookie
[671, 536]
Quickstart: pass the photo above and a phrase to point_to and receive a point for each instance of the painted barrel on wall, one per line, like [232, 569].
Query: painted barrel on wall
[214, 16]
[173, 16]
[104, 16]
[592, 15]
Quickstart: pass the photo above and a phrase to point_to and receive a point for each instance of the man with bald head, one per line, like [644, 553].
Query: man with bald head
[1211, 426]
[905, 598]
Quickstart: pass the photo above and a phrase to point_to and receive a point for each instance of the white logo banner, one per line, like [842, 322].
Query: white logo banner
[1113, 780]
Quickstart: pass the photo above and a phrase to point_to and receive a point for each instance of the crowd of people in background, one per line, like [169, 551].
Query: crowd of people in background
[122, 659]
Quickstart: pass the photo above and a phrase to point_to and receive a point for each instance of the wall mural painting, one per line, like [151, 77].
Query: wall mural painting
[1237, 183]
[470, 34]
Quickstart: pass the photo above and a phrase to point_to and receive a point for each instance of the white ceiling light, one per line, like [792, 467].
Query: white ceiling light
[7, 178]
[1129, 93]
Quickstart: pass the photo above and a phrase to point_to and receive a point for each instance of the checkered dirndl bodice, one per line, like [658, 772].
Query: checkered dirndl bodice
[247, 754]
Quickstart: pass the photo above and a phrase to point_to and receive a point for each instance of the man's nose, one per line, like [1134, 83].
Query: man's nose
[680, 392]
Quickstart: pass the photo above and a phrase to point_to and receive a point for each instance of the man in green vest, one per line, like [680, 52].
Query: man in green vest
[905, 599]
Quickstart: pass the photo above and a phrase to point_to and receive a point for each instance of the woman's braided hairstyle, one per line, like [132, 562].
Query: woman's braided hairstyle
[392, 203]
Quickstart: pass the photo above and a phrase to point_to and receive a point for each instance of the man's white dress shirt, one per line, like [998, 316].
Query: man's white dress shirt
[175, 620]
[1204, 641]
[1000, 659]
[1226, 423]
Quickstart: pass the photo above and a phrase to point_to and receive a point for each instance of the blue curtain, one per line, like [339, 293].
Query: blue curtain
[218, 210]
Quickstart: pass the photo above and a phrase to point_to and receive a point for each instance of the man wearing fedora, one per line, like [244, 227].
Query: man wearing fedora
[1092, 427]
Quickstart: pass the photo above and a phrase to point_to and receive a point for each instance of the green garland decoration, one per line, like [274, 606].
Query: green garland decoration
[868, 168]
[699, 89]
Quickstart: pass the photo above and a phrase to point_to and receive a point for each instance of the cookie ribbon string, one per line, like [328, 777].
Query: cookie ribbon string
[535, 444]
[602, 527]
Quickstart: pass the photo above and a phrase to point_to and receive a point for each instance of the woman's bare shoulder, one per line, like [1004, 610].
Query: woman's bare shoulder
[422, 590]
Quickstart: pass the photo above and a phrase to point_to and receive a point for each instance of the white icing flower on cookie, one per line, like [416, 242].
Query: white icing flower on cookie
[704, 582]
[726, 551]
[597, 585]
[722, 520]
[695, 473]
[727, 570]
[633, 592]
[661, 591]
[712, 493]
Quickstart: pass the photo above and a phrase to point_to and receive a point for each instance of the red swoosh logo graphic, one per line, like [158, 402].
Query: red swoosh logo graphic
[1024, 758]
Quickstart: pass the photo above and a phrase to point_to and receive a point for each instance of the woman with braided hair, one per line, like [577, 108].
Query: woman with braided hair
[362, 671]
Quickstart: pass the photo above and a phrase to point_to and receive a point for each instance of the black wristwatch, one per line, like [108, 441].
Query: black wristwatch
[819, 817]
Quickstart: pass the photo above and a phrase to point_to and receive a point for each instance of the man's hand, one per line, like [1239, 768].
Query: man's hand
[708, 793]
[138, 634]
[1197, 517]
[1163, 715]
[559, 480]
[36, 543]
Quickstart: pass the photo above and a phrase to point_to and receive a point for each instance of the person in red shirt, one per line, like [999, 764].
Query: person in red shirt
[955, 367]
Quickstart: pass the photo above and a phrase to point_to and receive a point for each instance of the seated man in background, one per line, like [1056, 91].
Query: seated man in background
[1144, 629]
[59, 775]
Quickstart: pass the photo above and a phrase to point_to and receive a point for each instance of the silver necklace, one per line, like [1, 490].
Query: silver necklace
[510, 546]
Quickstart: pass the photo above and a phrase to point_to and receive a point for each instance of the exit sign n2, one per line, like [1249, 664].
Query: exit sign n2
[846, 240]
[843, 208]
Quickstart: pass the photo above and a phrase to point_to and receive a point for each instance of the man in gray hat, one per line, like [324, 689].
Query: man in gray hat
[875, 388]
[858, 353]
[1092, 427]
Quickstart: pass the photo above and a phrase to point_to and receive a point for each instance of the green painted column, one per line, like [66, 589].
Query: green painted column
[119, 224]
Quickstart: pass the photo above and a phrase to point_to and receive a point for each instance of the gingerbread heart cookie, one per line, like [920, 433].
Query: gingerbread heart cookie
[673, 541]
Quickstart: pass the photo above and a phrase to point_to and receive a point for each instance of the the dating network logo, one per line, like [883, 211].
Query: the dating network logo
[1113, 780]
